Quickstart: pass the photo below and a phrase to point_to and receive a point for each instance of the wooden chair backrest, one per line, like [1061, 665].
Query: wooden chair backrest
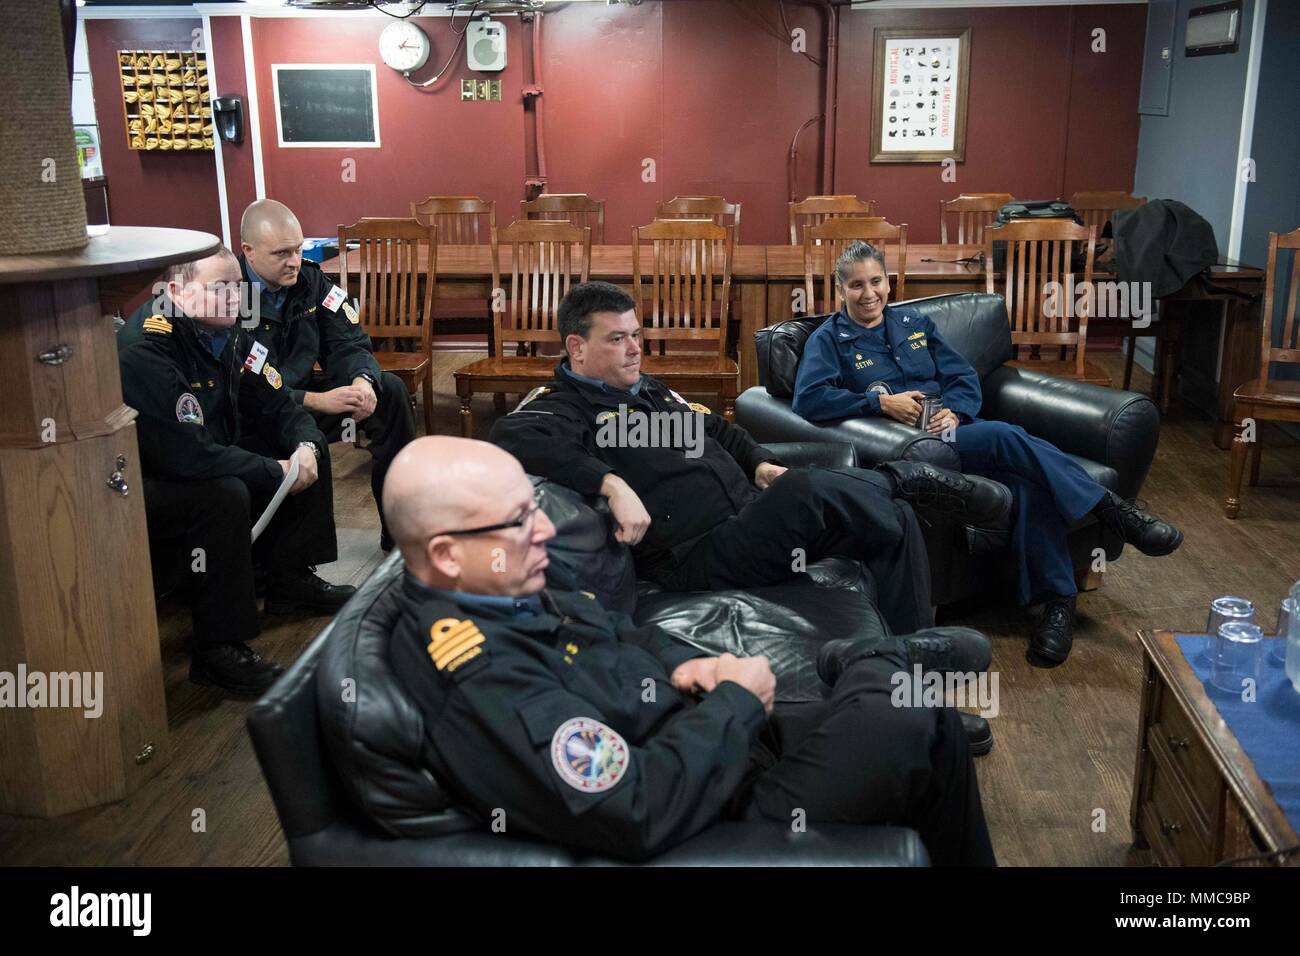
[577, 208]
[1288, 349]
[545, 260]
[817, 209]
[1038, 252]
[689, 278]
[461, 220]
[823, 244]
[701, 207]
[387, 266]
[973, 212]
[1096, 208]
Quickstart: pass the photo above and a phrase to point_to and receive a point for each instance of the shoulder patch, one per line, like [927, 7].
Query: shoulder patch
[588, 755]
[702, 409]
[271, 375]
[454, 643]
[188, 410]
[538, 392]
[158, 324]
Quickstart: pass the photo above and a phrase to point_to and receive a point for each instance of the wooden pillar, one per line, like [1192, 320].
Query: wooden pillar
[77, 617]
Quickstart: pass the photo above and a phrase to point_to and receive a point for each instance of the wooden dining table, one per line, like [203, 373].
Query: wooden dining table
[764, 279]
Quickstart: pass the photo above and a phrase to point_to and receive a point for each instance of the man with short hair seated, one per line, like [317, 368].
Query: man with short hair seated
[701, 503]
[205, 483]
[587, 730]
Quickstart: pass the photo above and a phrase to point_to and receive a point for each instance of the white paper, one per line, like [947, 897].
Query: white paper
[919, 95]
[278, 497]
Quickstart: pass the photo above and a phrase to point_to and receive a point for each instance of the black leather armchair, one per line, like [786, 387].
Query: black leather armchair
[341, 744]
[1111, 433]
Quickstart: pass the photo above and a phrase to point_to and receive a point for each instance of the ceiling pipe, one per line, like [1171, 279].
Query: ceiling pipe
[832, 90]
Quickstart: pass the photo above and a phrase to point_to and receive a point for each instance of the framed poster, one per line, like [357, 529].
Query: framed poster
[326, 104]
[918, 110]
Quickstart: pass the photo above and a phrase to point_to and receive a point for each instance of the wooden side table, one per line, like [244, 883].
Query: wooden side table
[1197, 799]
[76, 591]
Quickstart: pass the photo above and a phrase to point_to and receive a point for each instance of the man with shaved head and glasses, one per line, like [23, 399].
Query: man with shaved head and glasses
[535, 702]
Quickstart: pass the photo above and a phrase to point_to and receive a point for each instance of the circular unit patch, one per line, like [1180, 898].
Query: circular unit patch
[188, 410]
[589, 756]
[880, 388]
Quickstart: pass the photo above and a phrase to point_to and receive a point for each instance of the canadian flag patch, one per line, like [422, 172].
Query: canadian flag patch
[256, 358]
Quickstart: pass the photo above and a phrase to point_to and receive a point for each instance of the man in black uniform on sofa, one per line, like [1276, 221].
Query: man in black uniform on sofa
[306, 320]
[714, 509]
[183, 370]
[588, 730]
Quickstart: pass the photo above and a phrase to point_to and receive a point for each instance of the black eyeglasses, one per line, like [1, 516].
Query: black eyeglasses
[538, 497]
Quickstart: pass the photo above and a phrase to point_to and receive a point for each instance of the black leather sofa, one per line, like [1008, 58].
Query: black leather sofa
[1111, 433]
[341, 745]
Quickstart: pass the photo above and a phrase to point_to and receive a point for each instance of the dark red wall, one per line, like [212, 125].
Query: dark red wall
[711, 91]
[1045, 115]
[155, 188]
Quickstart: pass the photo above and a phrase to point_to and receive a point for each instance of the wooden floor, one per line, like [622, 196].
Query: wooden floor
[1065, 738]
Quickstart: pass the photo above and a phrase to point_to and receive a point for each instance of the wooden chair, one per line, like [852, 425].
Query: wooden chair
[683, 294]
[577, 208]
[387, 266]
[545, 258]
[1096, 209]
[973, 212]
[461, 220]
[702, 207]
[817, 209]
[823, 243]
[1038, 252]
[1266, 398]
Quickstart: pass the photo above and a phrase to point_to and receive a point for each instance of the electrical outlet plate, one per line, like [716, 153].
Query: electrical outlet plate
[480, 90]
[468, 90]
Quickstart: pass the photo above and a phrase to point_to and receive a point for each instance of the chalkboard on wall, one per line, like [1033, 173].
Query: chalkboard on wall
[324, 105]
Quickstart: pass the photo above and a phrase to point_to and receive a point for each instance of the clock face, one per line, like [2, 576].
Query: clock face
[404, 46]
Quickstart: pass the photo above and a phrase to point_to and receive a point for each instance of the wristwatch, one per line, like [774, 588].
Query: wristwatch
[371, 379]
[315, 449]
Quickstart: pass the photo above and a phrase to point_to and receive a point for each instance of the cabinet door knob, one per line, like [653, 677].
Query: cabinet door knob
[1170, 826]
[56, 356]
[1177, 743]
[116, 480]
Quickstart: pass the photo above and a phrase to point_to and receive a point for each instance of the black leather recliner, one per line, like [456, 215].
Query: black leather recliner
[341, 744]
[1111, 433]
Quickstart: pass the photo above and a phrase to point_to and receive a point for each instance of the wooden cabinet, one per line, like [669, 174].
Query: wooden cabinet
[77, 616]
[1196, 797]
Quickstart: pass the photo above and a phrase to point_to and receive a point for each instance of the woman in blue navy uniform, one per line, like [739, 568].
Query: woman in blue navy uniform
[874, 359]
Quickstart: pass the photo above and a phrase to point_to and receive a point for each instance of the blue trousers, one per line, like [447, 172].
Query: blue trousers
[1051, 492]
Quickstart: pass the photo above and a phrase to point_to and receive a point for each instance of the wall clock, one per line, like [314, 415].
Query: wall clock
[404, 46]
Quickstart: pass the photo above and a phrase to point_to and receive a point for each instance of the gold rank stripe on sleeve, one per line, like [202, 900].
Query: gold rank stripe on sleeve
[452, 641]
[156, 323]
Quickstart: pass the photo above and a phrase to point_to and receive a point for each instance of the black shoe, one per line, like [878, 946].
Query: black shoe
[236, 668]
[1051, 640]
[1145, 532]
[976, 501]
[942, 649]
[979, 733]
[291, 591]
[958, 650]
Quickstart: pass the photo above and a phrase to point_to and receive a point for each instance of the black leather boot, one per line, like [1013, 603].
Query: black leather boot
[1145, 532]
[1051, 640]
[290, 591]
[979, 733]
[976, 501]
[942, 649]
[236, 668]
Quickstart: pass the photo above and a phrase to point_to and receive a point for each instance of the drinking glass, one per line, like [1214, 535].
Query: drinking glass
[1236, 656]
[1285, 621]
[1223, 611]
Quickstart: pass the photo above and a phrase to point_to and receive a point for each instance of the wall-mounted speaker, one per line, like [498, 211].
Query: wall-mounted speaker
[485, 45]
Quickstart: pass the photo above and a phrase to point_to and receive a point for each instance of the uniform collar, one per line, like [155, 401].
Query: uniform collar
[597, 383]
[492, 605]
[895, 320]
[277, 294]
[190, 332]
